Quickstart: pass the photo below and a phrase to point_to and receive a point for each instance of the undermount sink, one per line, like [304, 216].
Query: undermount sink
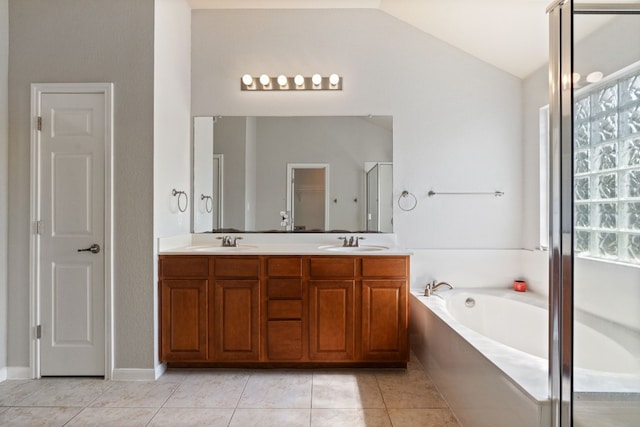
[361, 248]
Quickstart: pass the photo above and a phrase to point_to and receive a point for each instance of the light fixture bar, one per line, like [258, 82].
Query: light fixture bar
[296, 83]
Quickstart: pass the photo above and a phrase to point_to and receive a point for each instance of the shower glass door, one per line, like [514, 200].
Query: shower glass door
[606, 215]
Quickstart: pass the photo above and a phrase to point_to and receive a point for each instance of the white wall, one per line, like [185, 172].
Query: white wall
[96, 41]
[171, 115]
[172, 127]
[457, 120]
[4, 166]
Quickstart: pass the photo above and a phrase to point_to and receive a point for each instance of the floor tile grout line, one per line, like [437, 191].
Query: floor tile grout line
[166, 400]
[233, 414]
[153, 416]
[313, 380]
[384, 401]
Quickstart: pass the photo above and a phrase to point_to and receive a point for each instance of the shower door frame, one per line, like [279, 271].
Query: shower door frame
[561, 269]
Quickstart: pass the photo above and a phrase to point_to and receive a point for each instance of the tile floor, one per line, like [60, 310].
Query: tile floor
[231, 397]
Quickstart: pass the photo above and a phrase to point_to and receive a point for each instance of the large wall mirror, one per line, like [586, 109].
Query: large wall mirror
[292, 174]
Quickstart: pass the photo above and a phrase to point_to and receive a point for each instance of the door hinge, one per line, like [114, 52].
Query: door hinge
[39, 122]
[39, 227]
[38, 332]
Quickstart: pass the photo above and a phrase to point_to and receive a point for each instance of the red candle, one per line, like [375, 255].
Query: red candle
[519, 285]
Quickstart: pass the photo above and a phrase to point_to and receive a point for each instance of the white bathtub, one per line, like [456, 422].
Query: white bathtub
[489, 360]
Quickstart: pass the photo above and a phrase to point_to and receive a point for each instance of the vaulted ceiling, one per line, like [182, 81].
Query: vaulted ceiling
[509, 34]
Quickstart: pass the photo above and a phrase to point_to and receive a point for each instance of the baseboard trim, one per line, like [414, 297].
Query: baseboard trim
[3, 374]
[19, 373]
[160, 370]
[127, 374]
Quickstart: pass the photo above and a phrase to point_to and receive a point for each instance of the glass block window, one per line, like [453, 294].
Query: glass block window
[607, 169]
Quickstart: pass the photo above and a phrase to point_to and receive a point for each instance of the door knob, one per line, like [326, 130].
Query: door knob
[94, 249]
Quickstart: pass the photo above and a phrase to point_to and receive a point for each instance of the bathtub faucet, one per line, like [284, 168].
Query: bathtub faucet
[433, 286]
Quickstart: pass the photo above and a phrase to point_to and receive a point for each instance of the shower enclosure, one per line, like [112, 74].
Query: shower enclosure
[594, 220]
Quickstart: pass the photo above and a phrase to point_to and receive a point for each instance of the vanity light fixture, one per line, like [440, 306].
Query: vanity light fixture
[266, 83]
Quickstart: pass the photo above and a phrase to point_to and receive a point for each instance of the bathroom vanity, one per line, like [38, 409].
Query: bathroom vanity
[283, 305]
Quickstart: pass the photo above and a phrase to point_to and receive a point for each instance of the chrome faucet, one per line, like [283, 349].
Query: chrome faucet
[351, 242]
[433, 286]
[230, 242]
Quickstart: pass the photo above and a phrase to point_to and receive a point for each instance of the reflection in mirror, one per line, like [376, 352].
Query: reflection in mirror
[379, 198]
[202, 197]
[258, 152]
[307, 196]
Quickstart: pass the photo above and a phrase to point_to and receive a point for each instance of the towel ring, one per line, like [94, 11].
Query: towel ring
[186, 199]
[410, 203]
[208, 204]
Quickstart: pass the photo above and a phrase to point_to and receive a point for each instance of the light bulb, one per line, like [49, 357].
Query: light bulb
[298, 80]
[264, 80]
[334, 79]
[316, 79]
[594, 77]
[247, 80]
[282, 80]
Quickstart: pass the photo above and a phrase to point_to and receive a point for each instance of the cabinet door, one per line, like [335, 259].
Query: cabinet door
[384, 320]
[331, 319]
[284, 340]
[184, 320]
[236, 316]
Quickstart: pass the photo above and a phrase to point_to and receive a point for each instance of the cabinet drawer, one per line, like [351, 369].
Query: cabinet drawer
[284, 288]
[225, 266]
[284, 309]
[284, 266]
[384, 267]
[332, 267]
[184, 266]
[284, 340]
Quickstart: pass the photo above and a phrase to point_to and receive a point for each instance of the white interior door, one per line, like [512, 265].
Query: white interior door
[72, 146]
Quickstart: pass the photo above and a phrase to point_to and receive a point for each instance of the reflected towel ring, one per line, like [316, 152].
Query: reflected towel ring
[410, 201]
[186, 199]
[208, 204]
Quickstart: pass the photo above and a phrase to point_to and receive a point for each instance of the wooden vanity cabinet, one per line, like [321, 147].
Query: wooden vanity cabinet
[184, 308]
[223, 309]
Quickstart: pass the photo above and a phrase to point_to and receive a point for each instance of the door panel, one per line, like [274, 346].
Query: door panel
[331, 319]
[384, 319]
[184, 319]
[71, 174]
[71, 210]
[72, 283]
[237, 316]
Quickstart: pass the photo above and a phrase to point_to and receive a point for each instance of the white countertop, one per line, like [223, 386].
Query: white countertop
[279, 244]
